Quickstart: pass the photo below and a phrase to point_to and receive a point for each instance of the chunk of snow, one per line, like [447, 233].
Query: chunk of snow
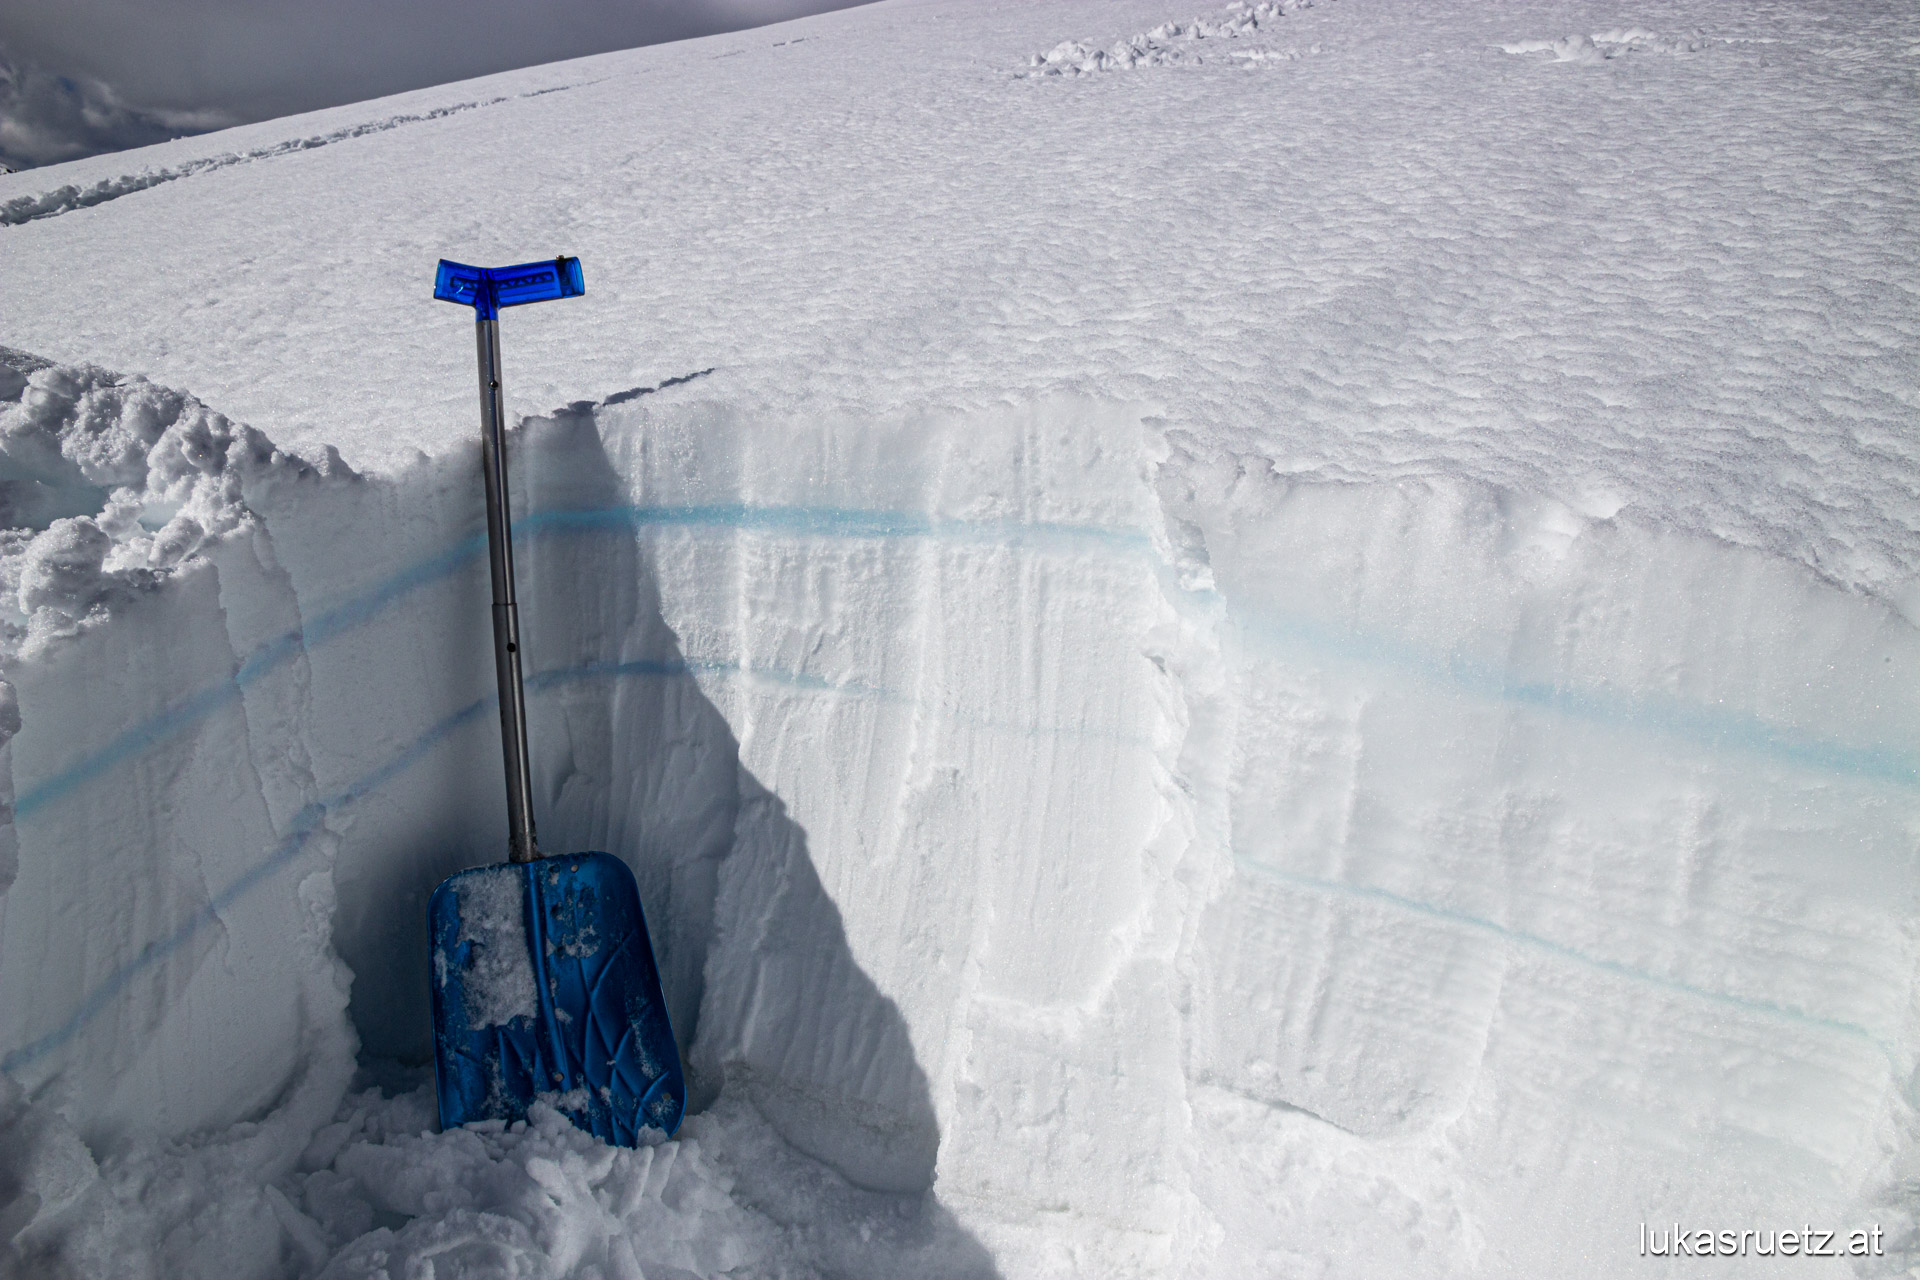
[498, 979]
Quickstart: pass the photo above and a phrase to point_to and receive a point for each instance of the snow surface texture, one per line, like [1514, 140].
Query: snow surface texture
[1260, 666]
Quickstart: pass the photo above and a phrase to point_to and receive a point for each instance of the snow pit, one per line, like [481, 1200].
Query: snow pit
[1017, 796]
[825, 615]
[1266, 666]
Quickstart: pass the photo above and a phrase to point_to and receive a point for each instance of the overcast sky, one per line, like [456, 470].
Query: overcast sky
[82, 76]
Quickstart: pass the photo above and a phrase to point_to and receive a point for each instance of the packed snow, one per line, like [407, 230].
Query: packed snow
[498, 984]
[1279, 641]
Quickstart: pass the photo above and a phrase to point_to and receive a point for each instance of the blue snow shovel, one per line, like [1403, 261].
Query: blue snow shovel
[544, 986]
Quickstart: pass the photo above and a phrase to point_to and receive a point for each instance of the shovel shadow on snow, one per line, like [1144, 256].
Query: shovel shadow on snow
[630, 756]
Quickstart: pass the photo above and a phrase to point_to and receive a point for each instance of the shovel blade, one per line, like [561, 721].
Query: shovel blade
[544, 988]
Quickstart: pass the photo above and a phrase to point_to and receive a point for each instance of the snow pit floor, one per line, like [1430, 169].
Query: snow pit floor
[377, 1192]
[1269, 642]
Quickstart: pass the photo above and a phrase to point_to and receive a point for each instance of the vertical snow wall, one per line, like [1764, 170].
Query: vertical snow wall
[1131, 836]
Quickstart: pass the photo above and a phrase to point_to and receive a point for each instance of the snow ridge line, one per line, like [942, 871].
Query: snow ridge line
[49, 204]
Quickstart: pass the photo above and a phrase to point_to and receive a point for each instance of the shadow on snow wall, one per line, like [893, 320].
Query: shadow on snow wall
[631, 757]
[266, 741]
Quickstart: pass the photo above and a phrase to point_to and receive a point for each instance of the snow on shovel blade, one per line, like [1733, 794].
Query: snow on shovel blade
[544, 988]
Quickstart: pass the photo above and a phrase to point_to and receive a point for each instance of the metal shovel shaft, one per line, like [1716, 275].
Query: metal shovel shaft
[506, 610]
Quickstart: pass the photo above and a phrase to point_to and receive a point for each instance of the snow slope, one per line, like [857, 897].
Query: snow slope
[1279, 641]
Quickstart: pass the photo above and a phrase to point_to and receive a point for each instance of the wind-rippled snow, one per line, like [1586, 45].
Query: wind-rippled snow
[1253, 641]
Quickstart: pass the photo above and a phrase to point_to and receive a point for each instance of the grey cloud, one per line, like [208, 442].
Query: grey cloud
[46, 118]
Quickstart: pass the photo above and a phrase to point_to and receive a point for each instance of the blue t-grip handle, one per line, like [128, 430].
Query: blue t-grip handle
[487, 289]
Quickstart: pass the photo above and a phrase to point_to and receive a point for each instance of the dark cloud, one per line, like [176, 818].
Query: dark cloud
[193, 64]
[46, 118]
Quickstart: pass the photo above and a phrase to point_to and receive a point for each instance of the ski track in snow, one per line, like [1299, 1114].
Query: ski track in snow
[66, 199]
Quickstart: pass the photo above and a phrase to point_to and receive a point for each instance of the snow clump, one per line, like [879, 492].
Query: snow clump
[1157, 47]
[499, 979]
[106, 484]
[1601, 46]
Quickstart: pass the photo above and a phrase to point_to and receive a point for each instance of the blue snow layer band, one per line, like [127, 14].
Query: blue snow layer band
[816, 522]
[301, 829]
[1717, 732]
